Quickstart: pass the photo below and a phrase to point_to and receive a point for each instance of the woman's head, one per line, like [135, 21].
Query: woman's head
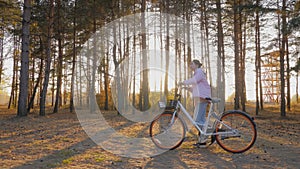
[195, 64]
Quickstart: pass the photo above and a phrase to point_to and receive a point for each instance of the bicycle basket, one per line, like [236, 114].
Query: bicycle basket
[162, 105]
[172, 103]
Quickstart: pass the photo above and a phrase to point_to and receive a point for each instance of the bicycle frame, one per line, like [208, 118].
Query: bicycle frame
[205, 127]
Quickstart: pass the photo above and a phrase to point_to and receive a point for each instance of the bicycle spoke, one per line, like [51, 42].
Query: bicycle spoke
[167, 133]
[237, 132]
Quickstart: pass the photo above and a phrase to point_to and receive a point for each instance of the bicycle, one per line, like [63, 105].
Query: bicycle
[234, 130]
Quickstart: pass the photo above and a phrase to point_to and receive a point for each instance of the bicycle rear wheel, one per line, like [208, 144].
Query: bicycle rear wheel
[167, 133]
[237, 132]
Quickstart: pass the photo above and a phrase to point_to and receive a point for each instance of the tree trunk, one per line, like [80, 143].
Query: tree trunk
[236, 55]
[13, 84]
[257, 56]
[31, 86]
[188, 35]
[106, 81]
[94, 65]
[60, 60]
[30, 105]
[243, 62]
[48, 61]
[206, 45]
[145, 83]
[282, 53]
[161, 26]
[22, 111]
[73, 59]
[288, 85]
[79, 82]
[297, 88]
[221, 59]
[53, 80]
[167, 51]
[1, 54]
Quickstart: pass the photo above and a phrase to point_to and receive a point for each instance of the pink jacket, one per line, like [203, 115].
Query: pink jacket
[200, 86]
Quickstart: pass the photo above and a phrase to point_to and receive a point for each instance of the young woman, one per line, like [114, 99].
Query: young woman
[200, 89]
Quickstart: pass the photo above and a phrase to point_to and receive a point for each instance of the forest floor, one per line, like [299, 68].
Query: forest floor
[58, 141]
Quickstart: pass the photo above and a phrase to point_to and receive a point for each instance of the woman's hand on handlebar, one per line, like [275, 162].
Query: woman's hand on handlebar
[180, 84]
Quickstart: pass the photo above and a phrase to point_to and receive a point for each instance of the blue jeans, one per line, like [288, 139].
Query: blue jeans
[200, 113]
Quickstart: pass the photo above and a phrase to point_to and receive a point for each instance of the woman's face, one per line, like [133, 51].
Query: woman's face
[193, 66]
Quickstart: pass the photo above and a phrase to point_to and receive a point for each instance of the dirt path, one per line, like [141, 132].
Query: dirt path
[58, 141]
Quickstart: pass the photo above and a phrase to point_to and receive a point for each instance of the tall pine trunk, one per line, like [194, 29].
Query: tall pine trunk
[243, 62]
[257, 58]
[282, 53]
[288, 85]
[30, 105]
[145, 83]
[48, 61]
[221, 59]
[22, 103]
[297, 84]
[236, 33]
[13, 96]
[167, 50]
[73, 59]
[1, 54]
[58, 100]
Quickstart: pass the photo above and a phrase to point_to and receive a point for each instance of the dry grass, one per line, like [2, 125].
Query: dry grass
[58, 141]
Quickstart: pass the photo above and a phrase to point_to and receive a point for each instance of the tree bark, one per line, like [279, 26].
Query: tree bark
[94, 65]
[22, 103]
[145, 83]
[243, 62]
[73, 59]
[282, 53]
[12, 97]
[221, 59]
[297, 88]
[257, 57]
[288, 85]
[60, 61]
[1, 55]
[48, 61]
[30, 105]
[236, 33]
[167, 51]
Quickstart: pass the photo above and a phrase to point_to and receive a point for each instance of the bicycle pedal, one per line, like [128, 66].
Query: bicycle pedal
[200, 145]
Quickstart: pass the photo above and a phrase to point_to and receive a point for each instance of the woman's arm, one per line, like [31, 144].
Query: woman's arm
[198, 77]
[188, 88]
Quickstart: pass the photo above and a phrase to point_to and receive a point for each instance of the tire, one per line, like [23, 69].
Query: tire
[241, 141]
[166, 135]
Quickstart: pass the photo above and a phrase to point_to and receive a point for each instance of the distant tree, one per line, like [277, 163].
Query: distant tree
[297, 70]
[14, 86]
[294, 22]
[10, 22]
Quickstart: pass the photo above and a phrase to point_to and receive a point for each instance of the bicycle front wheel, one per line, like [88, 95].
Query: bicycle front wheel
[167, 131]
[236, 132]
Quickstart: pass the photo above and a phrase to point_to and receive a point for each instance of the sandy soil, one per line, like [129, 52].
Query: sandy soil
[58, 141]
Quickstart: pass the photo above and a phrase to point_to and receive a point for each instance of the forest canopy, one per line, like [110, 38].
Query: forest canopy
[49, 57]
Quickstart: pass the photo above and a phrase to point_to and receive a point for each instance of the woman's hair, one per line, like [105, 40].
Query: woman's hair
[197, 62]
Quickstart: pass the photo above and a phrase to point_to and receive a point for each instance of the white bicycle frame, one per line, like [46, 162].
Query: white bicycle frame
[211, 113]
